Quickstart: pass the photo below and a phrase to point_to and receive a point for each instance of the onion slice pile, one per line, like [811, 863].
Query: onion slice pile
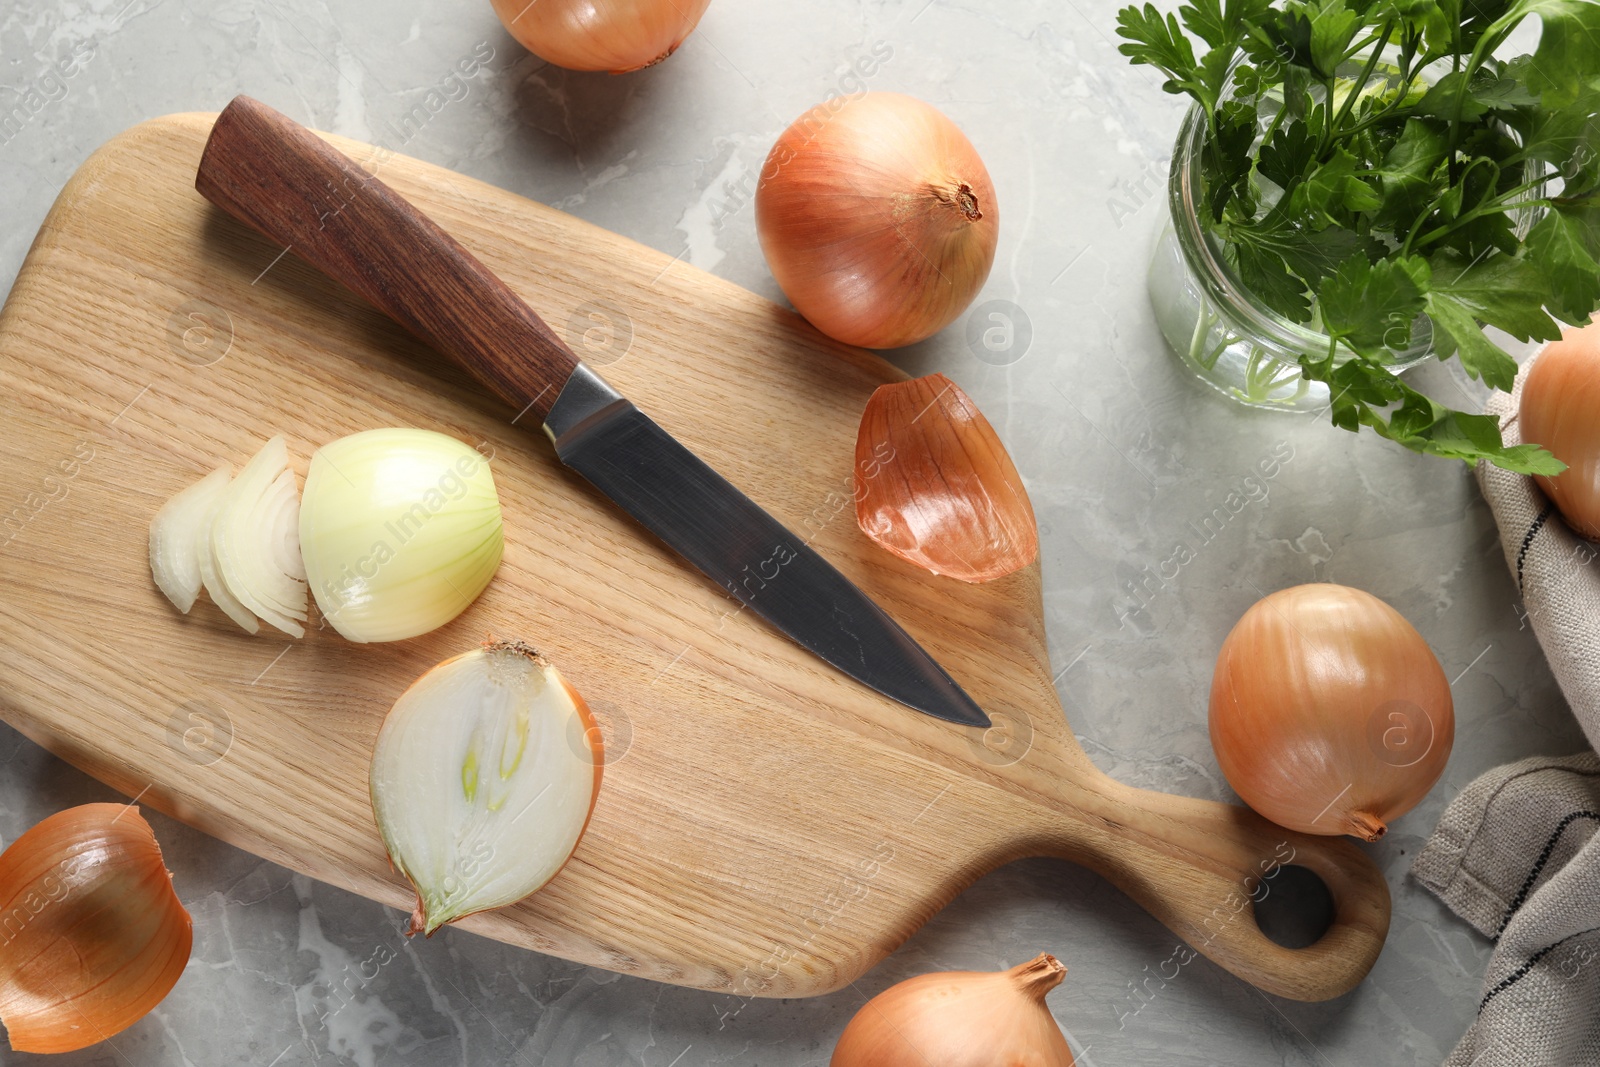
[239, 539]
[255, 540]
[483, 779]
[935, 486]
[94, 934]
[176, 537]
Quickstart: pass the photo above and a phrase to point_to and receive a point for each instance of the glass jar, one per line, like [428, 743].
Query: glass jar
[1230, 339]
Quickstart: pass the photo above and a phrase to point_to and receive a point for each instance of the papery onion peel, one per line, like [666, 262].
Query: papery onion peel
[935, 486]
[92, 935]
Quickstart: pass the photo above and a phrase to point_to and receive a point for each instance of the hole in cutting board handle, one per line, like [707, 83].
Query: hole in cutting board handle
[1298, 907]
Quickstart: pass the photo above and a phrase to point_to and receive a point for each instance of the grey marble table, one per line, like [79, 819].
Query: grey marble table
[1120, 449]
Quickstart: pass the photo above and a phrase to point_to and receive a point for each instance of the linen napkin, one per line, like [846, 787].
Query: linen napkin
[1516, 854]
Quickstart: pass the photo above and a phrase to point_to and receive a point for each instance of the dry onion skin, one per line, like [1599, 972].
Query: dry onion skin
[483, 780]
[612, 35]
[1560, 409]
[94, 935]
[1329, 712]
[400, 530]
[935, 486]
[877, 219]
[961, 1019]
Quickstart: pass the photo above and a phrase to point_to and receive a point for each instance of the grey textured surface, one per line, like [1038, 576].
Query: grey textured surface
[1123, 454]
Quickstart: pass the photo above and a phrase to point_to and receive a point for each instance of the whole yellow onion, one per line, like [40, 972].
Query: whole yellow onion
[614, 35]
[877, 218]
[1329, 712]
[1560, 410]
[961, 1019]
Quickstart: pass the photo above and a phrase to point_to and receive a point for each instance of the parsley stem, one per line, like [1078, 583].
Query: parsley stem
[1408, 75]
[1328, 139]
[1499, 204]
[1491, 38]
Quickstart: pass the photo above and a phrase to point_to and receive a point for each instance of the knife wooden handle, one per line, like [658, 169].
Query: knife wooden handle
[268, 171]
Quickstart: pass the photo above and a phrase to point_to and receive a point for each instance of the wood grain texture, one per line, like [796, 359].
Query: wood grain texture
[767, 826]
[270, 172]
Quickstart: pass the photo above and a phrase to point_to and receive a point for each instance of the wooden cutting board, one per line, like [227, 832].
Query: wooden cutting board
[766, 826]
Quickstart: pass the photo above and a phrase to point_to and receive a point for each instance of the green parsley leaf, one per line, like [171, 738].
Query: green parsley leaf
[1288, 156]
[1333, 189]
[1218, 25]
[1372, 307]
[1263, 271]
[1362, 393]
[1333, 27]
[1413, 171]
[1158, 42]
[1500, 290]
[1456, 332]
[1559, 247]
[1569, 47]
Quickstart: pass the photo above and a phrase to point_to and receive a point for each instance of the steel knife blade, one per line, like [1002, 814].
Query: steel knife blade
[280, 178]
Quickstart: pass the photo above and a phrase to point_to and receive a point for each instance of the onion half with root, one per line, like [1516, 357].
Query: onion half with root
[483, 780]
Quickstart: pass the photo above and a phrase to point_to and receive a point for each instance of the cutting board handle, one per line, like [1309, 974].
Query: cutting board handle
[1200, 867]
[271, 173]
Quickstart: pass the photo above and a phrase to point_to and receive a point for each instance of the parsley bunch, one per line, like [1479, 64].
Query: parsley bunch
[1366, 165]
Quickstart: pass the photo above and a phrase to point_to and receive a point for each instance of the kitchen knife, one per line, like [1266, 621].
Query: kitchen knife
[283, 180]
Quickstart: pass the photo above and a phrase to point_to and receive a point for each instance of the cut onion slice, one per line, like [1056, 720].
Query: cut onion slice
[251, 538]
[483, 779]
[211, 578]
[177, 534]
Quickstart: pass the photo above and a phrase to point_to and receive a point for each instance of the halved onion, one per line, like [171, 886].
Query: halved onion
[483, 779]
[400, 530]
[94, 934]
[176, 535]
[935, 486]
